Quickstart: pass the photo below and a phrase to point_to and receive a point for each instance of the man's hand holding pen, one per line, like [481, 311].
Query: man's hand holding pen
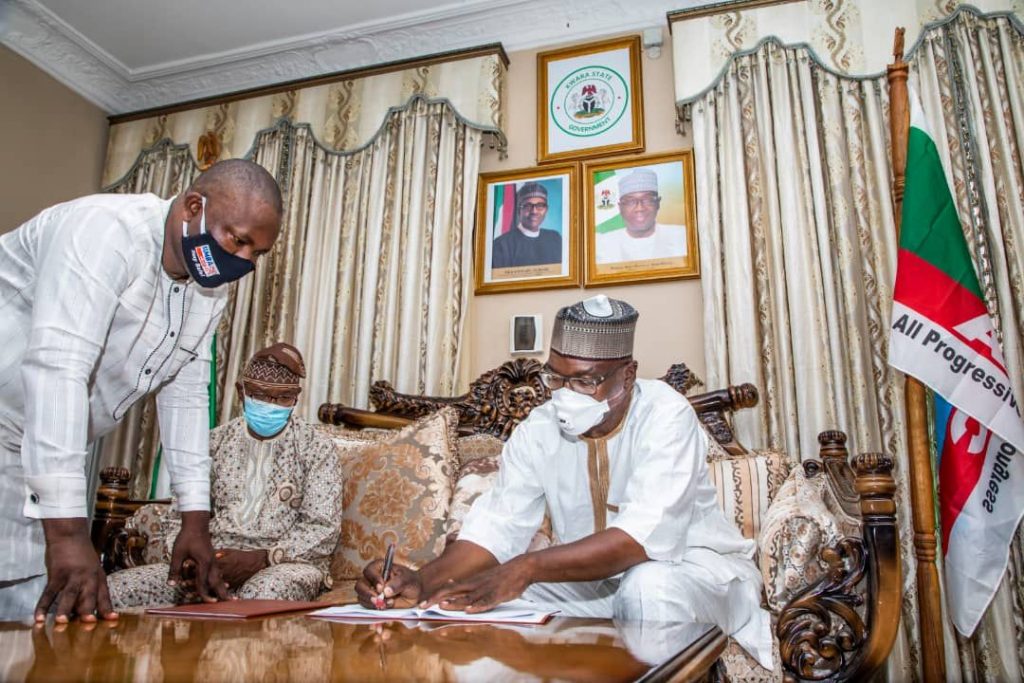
[380, 600]
[385, 585]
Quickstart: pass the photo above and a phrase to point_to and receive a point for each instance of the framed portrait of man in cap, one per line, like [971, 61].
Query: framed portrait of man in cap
[641, 219]
[526, 236]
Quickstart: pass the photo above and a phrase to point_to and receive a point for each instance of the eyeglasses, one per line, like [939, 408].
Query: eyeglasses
[646, 202]
[533, 207]
[581, 385]
[283, 401]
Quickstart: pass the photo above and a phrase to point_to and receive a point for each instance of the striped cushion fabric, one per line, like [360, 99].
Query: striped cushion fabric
[746, 486]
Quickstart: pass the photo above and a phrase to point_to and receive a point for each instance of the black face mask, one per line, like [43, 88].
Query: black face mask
[208, 263]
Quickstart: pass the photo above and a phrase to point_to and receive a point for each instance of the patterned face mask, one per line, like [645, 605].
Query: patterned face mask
[209, 264]
[265, 419]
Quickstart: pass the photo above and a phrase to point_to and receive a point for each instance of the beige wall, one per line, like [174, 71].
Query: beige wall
[670, 328]
[53, 141]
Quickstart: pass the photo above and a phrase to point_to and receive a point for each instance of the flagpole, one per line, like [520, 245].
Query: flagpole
[921, 476]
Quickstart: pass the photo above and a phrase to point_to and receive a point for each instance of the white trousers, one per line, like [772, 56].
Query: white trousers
[687, 592]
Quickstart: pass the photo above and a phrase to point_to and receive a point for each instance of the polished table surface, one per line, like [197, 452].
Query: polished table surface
[299, 648]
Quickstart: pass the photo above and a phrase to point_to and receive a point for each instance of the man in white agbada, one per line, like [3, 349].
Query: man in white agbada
[643, 238]
[620, 463]
[105, 300]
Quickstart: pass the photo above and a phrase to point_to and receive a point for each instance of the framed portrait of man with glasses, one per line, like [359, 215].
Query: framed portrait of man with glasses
[640, 222]
[527, 229]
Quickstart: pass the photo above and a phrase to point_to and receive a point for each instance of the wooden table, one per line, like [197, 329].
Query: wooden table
[298, 648]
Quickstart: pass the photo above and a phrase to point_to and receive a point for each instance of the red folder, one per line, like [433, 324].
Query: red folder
[234, 609]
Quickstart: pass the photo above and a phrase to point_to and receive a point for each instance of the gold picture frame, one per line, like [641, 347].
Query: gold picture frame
[626, 242]
[507, 257]
[586, 106]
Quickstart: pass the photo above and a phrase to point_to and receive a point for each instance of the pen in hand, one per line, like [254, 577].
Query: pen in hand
[389, 560]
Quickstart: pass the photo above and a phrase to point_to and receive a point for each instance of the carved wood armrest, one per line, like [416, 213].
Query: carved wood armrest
[821, 635]
[338, 414]
[713, 407]
[117, 547]
[124, 550]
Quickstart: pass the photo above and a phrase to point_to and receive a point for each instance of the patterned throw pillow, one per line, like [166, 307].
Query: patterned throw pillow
[397, 490]
[476, 446]
[747, 485]
[345, 438]
[805, 518]
[476, 477]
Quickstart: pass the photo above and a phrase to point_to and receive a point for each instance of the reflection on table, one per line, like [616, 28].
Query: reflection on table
[298, 648]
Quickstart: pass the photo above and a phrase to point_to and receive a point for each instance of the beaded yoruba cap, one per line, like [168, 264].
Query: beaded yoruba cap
[278, 366]
[597, 328]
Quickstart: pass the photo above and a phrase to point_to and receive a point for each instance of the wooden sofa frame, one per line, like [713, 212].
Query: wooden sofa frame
[838, 629]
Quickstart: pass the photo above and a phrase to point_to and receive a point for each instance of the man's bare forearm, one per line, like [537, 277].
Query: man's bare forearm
[598, 556]
[459, 560]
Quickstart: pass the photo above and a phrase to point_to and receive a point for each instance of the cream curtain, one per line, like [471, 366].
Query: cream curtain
[368, 278]
[798, 256]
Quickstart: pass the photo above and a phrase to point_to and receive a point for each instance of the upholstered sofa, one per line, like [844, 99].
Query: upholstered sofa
[827, 542]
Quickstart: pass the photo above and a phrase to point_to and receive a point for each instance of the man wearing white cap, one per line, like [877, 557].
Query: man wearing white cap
[620, 464]
[643, 238]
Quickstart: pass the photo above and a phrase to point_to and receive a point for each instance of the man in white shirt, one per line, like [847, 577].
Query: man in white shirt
[643, 238]
[104, 300]
[620, 463]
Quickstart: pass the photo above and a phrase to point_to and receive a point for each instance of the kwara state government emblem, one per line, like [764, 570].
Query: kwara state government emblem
[589, 101]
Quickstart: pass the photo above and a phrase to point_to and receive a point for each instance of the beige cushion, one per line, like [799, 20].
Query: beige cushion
[477, 446]
[746, 485]
[475, 477]
[345, 438]
[397, 490]
[805, 518]
[740, 666]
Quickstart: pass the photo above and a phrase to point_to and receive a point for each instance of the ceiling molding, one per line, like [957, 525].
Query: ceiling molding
[31, 30]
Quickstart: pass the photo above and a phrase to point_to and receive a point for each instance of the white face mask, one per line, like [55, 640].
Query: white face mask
[577, 413]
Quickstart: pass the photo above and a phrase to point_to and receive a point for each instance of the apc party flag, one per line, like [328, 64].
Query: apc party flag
[942, 335]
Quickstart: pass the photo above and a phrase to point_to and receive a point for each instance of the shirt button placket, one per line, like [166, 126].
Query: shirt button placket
[169, 342]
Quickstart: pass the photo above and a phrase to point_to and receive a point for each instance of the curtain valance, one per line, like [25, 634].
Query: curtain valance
[849, 38]
[344, 116]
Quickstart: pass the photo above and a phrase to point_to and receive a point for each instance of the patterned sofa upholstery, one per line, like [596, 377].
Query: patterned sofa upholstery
[827, 546]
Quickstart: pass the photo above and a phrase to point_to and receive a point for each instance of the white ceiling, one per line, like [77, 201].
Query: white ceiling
[152, 36]
[127, 55]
